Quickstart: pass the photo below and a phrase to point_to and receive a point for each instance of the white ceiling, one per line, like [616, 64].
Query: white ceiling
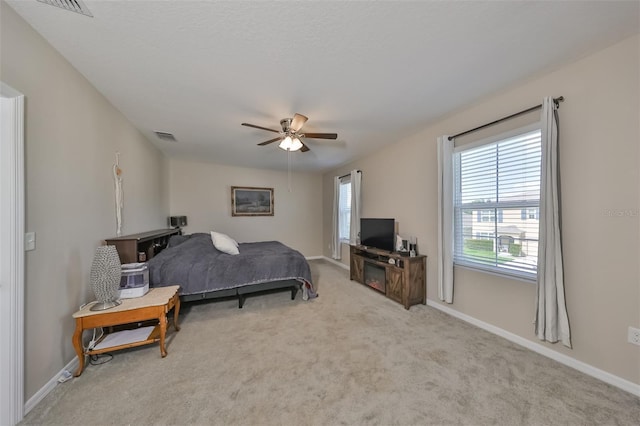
[373, 72]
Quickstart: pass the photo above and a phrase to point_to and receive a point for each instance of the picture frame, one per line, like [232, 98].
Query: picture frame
[251, 201]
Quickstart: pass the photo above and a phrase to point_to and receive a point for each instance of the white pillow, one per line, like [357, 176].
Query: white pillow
[224, 243]
[215, 234]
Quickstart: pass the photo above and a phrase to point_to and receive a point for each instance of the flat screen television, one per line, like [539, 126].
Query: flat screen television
[378, 233]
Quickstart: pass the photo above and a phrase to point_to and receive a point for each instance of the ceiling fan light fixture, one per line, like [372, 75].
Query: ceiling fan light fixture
[295, 144]
[286, 143]
[291, 136]
[290, 144]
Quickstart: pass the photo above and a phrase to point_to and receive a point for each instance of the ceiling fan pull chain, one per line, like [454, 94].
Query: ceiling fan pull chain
[289, 168]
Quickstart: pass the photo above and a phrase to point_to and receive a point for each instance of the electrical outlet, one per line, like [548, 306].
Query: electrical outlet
[634, 336]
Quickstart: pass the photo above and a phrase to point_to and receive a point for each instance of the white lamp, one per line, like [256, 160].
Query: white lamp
[295, 144]
[289, 144]
[105, 277]
[286, 143]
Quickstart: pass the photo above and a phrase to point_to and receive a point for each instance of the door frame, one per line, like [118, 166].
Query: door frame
[12, 272]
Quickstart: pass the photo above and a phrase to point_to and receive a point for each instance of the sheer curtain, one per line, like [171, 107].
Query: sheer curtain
[552, 321]
[445, 219]
[335, 236]
[356, 198]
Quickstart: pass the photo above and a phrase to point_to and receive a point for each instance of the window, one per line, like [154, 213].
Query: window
[486, 215]
[530, 214]
[344, 208]
[496, 204]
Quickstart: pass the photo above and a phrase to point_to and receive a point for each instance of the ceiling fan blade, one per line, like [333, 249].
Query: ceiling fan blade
[321, 135]
[270, 141]
[260, 127]
[304, 148]
[297, 122]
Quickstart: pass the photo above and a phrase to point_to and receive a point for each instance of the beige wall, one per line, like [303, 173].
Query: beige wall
[599, 167]
[71, 136]
[202, 192]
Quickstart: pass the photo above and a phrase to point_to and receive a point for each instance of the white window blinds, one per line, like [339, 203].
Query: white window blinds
[496, 203]
[344, 208]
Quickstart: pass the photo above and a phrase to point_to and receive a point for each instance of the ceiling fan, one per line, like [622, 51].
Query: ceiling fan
[290, 136]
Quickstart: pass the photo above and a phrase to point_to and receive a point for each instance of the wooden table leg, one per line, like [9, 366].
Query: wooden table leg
[77, 344]
[163, 332]
[176, 311]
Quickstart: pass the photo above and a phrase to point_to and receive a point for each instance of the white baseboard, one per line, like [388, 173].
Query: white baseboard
[328, 259]
[335, 262]
[583, 367]
[49, 386]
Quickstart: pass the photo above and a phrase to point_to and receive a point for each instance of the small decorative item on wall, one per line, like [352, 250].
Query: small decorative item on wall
[117, 180]
[250, 201]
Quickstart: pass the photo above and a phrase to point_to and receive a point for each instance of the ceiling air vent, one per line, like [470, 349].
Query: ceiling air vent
[166, 136]
[70, 5]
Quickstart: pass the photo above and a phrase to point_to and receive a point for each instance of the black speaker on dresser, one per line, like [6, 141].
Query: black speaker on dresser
[177, 221]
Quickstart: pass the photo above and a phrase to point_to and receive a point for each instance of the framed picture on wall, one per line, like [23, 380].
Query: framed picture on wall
[251, 201]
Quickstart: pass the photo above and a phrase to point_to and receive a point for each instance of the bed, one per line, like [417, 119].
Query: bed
[204, 272]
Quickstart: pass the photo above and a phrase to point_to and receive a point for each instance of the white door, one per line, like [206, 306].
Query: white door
[11, 255]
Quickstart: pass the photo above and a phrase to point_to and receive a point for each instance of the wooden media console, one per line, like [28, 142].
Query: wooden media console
[400, 278]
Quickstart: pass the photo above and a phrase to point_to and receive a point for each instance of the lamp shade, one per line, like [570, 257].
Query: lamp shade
[286, 143]
[295, 144]
[289, 144]
[105, 277]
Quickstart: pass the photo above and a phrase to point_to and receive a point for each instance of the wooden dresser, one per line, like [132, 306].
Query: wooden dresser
[143, 246]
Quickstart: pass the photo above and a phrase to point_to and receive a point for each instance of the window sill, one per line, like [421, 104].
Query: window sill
[532, 279]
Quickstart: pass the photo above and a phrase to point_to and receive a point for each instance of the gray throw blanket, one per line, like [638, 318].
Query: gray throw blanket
[198, 267]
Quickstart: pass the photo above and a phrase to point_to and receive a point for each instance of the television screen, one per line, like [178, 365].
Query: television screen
[378, 233]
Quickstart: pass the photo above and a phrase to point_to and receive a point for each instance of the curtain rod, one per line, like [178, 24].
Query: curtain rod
[348, 174]
[533, 108]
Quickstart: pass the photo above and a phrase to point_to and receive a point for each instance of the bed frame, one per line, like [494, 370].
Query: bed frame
[242, 292]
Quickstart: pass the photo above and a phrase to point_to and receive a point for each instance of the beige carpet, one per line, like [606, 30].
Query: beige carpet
[348, 357]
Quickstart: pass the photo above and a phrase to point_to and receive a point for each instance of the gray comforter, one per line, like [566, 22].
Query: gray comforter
[198, 267]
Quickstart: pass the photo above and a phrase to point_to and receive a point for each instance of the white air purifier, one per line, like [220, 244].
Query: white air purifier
[134, 281]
